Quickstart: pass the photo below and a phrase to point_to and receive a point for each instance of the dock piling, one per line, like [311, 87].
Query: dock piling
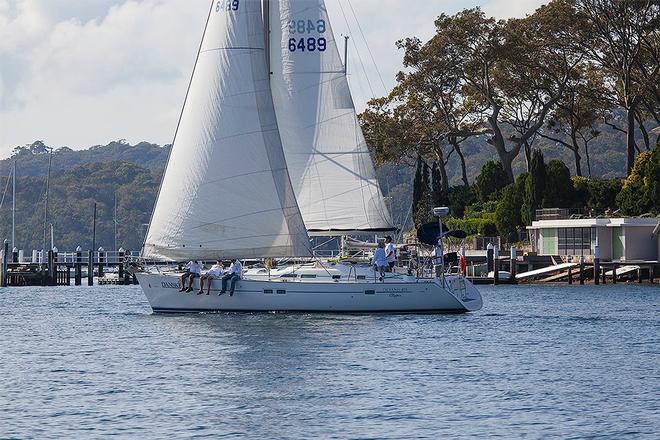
[78, 267]
[4, 270]
[514, 262]
[101, 261]
[90, 268]
[582, 270]
[496, 266]
[596, 265]
[613, 273]
[570, 275]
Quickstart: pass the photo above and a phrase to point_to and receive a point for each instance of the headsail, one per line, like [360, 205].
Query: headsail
[226, 192]
[328, 159]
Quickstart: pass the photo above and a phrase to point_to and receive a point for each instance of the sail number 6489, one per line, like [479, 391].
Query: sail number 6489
[307, 44]
[227, 5]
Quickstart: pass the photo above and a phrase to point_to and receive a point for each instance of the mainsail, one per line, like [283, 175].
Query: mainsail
[226, 192]
[326, 153]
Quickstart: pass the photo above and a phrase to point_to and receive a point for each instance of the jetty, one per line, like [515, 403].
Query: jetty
[54, 268]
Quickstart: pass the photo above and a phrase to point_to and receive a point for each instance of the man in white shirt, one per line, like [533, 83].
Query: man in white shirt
[234, 274]
[213, 273]
[193, 270]
[379, 261]
[390, 253]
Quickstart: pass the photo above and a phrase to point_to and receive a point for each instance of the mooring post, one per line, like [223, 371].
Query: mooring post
[604, 275]
[120, 256]
[101, 261]
[51, 278]
[489, 256]
[90, 268]
[514, 262]
[570, 275]
[14, 255]
[582, 270]
[596, 265]
[78, 267]
[639, 275]
[4, 276]
[613, 273]
[496, 265]
[54, 279]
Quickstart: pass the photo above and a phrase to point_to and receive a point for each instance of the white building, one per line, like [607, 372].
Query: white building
[624, 239]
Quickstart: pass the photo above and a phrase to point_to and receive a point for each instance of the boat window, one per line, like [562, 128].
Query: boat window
[369, 292]
[268, 291]
[308, 276]
[289, 275]
[336, 277]
[361, 277]
[281, 292]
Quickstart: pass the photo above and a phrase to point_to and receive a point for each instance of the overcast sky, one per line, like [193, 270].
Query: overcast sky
[83, 72]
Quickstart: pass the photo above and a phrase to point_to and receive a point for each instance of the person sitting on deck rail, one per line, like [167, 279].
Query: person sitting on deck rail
[213, 273]
[379, 260]
[234, 274]
[193, 270]
[390, 253]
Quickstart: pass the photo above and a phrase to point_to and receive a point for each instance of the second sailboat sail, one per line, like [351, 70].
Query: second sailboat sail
[327, 156]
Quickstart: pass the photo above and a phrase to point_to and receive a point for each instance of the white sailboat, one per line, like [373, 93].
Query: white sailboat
[268, 151]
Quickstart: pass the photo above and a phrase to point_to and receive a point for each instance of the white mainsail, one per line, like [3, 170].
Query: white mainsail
[226, 192]
[327, 156]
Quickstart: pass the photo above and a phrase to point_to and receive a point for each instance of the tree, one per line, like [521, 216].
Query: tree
[490, 181]
[558, 191]
[534, 188]
[439, 194]
[507, 213]
[641, 190]
[622, 38]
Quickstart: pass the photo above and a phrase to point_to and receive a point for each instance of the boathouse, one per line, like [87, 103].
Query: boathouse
[618, 239]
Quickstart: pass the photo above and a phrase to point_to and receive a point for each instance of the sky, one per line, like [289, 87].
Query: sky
[79, 73]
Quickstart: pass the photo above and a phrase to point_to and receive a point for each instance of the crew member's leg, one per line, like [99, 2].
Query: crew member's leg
[224, 283]
[234, 279]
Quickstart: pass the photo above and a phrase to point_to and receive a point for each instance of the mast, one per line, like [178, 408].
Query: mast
[346, 37]
[13, 209]
[115, 220]
[50, 160]
[266, 11]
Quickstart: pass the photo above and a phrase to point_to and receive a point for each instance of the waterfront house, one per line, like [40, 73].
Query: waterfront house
[618, 238]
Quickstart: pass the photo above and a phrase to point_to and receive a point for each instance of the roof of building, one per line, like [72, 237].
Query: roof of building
[591, 222]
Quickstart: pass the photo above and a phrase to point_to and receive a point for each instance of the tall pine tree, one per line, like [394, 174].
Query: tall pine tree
[534, 188]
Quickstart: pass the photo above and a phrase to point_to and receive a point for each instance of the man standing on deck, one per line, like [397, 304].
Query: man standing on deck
[234, 274]
[390, 253]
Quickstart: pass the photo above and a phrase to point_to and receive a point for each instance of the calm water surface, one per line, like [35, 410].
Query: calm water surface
[537, 362]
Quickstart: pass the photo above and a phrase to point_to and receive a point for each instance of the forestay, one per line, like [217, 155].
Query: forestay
[327, 156]
[226, 192]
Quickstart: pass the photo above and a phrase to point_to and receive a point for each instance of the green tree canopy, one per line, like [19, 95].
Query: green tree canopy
[490, 181]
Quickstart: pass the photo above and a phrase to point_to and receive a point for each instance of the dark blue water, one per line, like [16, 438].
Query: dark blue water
[537, 362]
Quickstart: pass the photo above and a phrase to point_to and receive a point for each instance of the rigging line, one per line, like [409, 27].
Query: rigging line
[366, 43]
[348, 26]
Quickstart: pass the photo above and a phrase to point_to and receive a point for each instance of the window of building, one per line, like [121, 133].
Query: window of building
[575, 241]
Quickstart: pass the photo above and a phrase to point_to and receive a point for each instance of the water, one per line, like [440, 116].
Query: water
[553, 362]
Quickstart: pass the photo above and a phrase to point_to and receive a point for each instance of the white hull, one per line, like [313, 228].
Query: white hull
[426, 295]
